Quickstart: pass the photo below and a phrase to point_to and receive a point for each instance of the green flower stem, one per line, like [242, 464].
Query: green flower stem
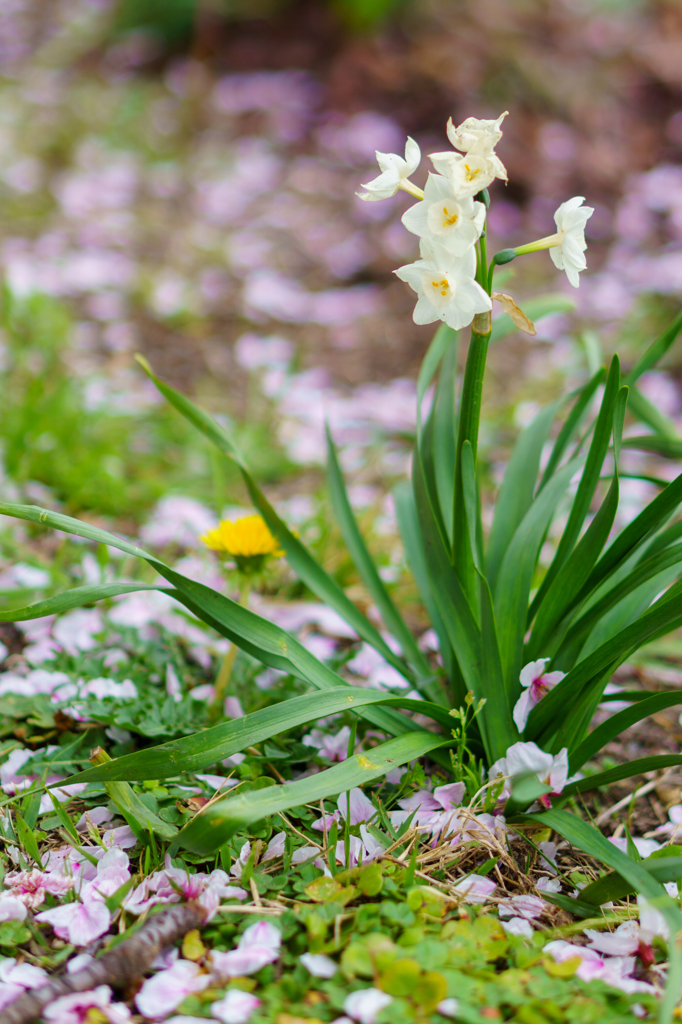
[467, 430]
[484, 260]
[542, 243]
[407, 186]
[223, 680]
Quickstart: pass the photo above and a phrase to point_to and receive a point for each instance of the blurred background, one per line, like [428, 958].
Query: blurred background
[177, 177]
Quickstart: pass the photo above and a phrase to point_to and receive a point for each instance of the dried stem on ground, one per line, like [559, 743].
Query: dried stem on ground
[119, 968]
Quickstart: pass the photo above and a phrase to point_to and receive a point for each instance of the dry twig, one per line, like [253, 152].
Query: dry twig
[118, 968]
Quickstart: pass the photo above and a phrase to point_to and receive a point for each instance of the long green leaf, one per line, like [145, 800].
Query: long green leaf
[666, 447]
[518, 487]
[560, 598]
[298, 556]
[192, 753]
[573, 421]
[640, 766]
[408, 524]
[618, 723]
[656, 351]
[656, 513]
[74, 598]
[214, 826]
[496, 722]
[455, 611]
[614, 887]
[443, 339]
[644, 410]
[648, 569]
[587, 486]
[663, 616]
[365, 565]
[260, 638]
[516, 573]
[592, 842]
[445, 435]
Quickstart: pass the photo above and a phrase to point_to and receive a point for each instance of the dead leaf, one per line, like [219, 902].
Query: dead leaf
[519, 318]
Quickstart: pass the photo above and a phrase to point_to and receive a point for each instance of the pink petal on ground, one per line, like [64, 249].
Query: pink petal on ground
[275, 847]
[261, 934]
[450, 796]
[78, 923]
[236, 1007]
[74, 1009]
[518, 926]
[361, 808]
[160, 995]
[242, 961]
[475, 888]
[364, 1005]
[623, 942]
[522, 906]
[12, 909]
[319, 965]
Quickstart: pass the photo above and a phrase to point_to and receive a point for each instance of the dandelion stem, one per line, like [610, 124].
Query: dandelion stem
[225, 674]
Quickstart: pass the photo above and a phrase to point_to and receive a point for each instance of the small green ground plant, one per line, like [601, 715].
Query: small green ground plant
[500, 621]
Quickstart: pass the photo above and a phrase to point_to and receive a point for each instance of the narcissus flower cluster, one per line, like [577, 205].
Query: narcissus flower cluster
[452, 278]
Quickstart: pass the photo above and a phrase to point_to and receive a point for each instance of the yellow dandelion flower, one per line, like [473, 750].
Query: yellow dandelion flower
[247, 540]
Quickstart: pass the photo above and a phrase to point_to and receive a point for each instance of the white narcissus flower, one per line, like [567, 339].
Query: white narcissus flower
[522, 758]
[455, 222]
[445, 285]
[395, 173]
[474, 132]
[569, 254]
[538, 683]
[469, 173]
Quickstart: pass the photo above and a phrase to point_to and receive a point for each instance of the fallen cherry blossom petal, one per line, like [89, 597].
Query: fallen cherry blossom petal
[364, 1005]
[236, 1007]
[319, 965]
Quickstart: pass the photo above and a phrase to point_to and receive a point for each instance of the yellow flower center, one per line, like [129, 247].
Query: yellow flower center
[449, 218]
[442, 286]
[248, 537]
[471, 174]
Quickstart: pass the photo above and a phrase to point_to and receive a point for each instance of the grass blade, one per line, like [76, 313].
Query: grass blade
[592, 842]
[516, 573]
[665, 447]
[298, 556]
[214, 826]
[614, 887]
[562, 593]
[662, 617]
[365, 565]
[75, 598]
[614, 726]
[192, 753]
[656, 351]
[623, 771]
[573, 421]
[588, 483]
[408, 524]
[260, 638]
[518, 487]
